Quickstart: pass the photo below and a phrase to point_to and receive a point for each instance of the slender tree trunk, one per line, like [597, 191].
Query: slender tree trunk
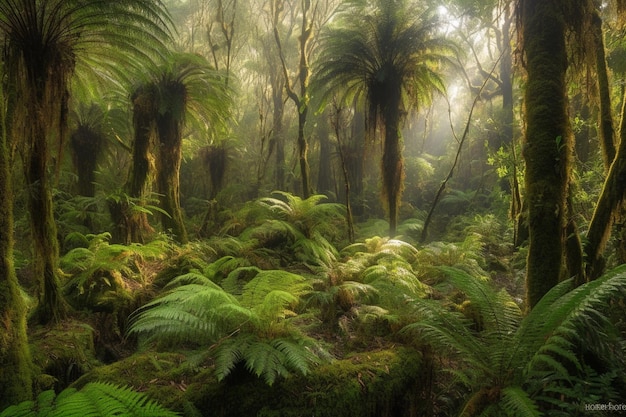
[301, 101]
[606, 132]
[278, 136]
[547, 146]
[324, 178]
[15, 360]
[303, 151]
[610, 203]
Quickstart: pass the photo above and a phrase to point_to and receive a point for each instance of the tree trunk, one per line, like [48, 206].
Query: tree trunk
[393, 169]
[86, 144]
[354, 152]
[606, 131]
[609, 205]
[168, 170]
[278, 135]
[51, 307]
[15, 361]
[131, 225]
[324, 177]
[547, 146]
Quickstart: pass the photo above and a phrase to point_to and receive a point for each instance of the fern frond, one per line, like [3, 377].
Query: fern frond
[517, 403]
[192, 313]
[95, 399]
[266, 282]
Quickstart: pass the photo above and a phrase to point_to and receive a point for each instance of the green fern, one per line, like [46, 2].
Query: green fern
[515, 365]
[252, 328]
[95, 399]
[103, 269]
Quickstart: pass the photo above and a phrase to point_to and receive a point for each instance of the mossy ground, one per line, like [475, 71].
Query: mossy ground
[377, 383]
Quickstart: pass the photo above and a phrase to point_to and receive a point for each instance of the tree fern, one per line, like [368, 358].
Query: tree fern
[529, 362]
[93, 400]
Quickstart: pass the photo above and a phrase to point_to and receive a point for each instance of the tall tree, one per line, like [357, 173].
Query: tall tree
[299, 96]
[392, 55]
[548, 143]
[15, 362]
[45, 41]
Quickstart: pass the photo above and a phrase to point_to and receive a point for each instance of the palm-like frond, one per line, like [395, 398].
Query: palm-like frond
[377, 48]
[95, 399]
[529, 361]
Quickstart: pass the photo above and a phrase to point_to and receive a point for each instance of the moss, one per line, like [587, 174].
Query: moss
[381, 383]
[164, 377]
[62, 353]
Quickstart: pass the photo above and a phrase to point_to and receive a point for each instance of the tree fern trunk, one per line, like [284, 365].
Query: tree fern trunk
[51, 307]
[547, 144]
[168, 170]
[393, 170]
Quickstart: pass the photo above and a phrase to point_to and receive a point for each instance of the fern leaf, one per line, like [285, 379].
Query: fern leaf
[95, 399]
[274, 280]
[516, 402]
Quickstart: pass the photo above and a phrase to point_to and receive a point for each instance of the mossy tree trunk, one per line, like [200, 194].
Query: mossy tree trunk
[131, 223]
[51, 307]
[169, 156]
[606, 131]
[547, 146]
[609, 206]
[15, 361]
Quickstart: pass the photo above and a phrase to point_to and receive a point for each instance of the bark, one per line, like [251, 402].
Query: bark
[15, 360]
[392, 168]
[169, 157]
[547, 146]
[131, 225]
[606, 132]
[51, 306]
[278, 136]
[324, 178]
[608, 208]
